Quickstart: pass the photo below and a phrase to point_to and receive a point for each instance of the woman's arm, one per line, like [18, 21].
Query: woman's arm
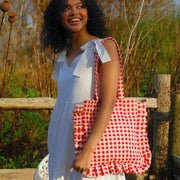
[109, 74]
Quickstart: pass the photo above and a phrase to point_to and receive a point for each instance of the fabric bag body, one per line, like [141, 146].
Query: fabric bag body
[124, 145]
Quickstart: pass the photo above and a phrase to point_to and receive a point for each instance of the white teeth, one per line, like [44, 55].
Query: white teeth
[74, 20]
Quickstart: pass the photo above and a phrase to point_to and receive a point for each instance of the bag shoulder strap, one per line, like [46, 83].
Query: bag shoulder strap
[120, 93]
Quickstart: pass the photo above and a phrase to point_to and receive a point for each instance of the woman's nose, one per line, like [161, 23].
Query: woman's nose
[73, 11]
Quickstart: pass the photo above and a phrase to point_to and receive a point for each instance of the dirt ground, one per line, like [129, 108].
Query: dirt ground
[17, 174]
[28, 174]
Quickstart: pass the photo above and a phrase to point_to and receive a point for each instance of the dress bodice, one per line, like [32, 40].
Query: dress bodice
[76, 82]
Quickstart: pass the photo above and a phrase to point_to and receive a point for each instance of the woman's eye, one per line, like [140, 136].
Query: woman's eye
[81, 6]
[66, 8]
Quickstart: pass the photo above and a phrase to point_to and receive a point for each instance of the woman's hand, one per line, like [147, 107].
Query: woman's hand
[82, 162]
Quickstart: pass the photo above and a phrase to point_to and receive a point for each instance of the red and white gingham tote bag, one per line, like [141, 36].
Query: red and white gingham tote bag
[124, 146]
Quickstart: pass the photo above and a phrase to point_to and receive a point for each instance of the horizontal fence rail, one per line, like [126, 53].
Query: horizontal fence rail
[27, 103]
[46, 103]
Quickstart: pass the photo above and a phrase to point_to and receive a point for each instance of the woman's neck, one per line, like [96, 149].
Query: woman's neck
[77, 40]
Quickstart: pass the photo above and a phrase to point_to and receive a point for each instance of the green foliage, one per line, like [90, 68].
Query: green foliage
[164, 47]
[18, 86]
[23, 138]
[155, 47]
[23, 133]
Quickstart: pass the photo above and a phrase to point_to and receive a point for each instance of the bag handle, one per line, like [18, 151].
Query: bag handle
[120, 92]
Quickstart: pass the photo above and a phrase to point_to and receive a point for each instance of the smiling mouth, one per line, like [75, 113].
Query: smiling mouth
[74, 20]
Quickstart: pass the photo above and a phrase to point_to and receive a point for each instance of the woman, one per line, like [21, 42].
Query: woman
[74, 29]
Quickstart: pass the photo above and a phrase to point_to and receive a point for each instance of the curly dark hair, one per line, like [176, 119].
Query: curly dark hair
[55, 37]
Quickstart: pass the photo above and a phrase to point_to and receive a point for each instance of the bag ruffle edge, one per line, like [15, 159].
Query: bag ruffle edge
[115, 168]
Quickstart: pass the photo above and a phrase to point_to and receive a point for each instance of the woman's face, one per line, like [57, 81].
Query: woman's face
[75, 16]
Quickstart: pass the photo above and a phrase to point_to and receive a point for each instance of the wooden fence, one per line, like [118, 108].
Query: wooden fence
[162, 165]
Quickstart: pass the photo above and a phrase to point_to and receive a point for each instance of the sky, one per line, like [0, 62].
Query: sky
[177, 2]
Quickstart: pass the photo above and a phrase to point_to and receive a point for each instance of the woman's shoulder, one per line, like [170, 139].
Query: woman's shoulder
[110, 44]
[109, 41]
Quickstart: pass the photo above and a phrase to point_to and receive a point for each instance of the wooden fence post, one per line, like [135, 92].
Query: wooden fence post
[161, 124]
[176, 139]
[176, 127]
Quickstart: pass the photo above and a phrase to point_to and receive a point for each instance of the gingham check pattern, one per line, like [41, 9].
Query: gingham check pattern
[124, 146]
